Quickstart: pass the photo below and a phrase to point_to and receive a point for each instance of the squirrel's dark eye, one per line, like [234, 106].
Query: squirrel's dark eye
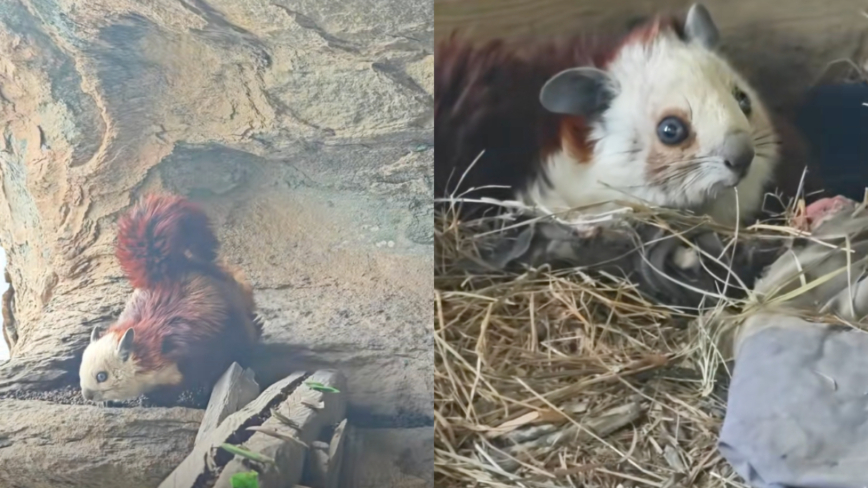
[101, 376]
[743, 100]
[671, 131]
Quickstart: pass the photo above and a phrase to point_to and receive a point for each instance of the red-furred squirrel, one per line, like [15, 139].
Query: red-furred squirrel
[657, 116]
[189, 316]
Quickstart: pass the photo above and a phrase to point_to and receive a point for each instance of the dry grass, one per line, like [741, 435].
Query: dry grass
[561, 379]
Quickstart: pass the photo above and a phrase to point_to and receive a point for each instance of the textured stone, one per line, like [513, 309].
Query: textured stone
[43, 445]
[399, 458]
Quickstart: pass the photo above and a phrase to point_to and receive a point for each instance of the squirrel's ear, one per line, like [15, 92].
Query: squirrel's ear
[95, 333]
[583, 91]
[125, 346]
[700, 27]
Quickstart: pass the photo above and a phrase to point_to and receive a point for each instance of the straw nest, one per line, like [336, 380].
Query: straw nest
[572, 379]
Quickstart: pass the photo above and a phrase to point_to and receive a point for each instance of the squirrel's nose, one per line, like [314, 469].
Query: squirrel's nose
[87, 394]
[738, 152]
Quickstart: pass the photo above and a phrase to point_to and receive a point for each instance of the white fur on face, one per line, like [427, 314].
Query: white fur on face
[102, 357]
[654, 80]
[124, 381]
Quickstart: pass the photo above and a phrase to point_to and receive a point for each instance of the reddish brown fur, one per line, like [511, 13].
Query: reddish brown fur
[154, 239]
[574, 134]
[187, 309]
[487, 98]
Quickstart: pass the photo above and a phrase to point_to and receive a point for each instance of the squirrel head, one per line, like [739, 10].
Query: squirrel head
[668, 120]
[108, 367]
[110, 370]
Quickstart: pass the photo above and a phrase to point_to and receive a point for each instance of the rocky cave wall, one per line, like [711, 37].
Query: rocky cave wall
[305, 130]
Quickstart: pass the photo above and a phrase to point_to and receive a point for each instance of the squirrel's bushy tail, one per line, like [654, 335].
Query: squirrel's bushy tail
[158, 238]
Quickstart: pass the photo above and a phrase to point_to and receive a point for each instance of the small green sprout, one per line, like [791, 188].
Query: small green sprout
[247, 454]
[249, 479]
[315, 385]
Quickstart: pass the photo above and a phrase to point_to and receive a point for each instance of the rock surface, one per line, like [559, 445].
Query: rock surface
[399, 458]
[303, 127]
[43, 445]
[309, 410]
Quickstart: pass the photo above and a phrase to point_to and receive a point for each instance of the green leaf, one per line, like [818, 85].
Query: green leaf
[249, 479]
[247, 454]
[315, 385]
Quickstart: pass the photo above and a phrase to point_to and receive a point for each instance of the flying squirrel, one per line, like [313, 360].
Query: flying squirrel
[188, 318]
[657, 116]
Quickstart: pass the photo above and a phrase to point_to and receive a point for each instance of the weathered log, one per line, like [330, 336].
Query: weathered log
[336, 456]
[235, 389]
[197, 463]
[209, 465]
[323, 468]
[309, 411]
